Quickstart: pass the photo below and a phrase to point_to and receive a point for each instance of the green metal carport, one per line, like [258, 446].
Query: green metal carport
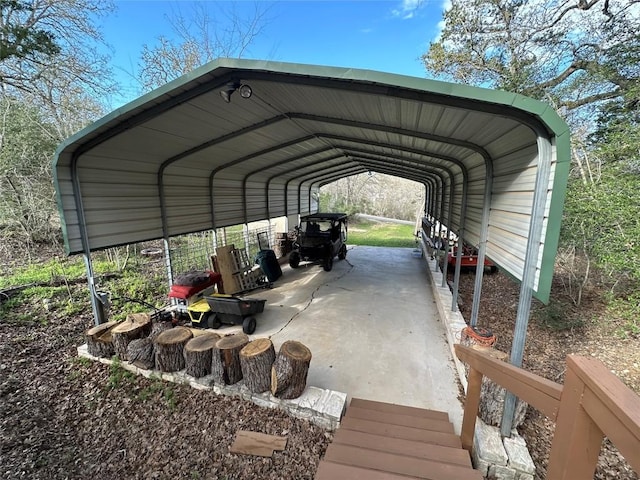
[237, 141]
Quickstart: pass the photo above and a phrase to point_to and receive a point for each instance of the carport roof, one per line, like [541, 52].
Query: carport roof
[180, 159]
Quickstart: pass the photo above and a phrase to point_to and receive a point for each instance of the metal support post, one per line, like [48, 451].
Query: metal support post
[529, 271]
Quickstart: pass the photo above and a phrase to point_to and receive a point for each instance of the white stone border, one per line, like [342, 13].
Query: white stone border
[321, 407]
[493, 456]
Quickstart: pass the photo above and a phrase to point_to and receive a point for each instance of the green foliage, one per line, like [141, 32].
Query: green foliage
[23, 40]
[118, 375]
[626, 309]
[381, 234]
[56, 269]
[601, 218]
[557, 316]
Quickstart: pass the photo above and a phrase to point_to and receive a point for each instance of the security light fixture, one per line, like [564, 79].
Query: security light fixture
[245, 90]
[229, 88]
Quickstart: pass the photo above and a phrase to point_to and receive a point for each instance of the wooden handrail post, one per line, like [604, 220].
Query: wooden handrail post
[577, 440]
[471, 405]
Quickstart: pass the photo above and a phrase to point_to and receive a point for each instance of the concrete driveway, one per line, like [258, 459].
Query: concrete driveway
[372, 327]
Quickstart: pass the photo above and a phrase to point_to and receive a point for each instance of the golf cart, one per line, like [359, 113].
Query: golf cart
[320, 237]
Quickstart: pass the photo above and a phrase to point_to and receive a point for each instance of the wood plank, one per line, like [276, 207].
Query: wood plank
[613, 406]
[399, 464]
[398, 431]
[255, 443]
[226, 268]
[336, 471]
[400, 409]
[400, 446]
[399, 419]
[540, 393]
[471, 406]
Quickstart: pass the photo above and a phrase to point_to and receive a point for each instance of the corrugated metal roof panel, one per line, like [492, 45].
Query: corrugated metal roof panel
[199, 163]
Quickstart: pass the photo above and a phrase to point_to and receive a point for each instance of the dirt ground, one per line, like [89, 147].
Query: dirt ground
[546, 350]
[62, 417]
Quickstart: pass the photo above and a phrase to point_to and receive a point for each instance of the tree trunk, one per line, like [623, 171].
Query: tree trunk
[170, 349]
[141, 353]
[137, 325]
[256, 360]
[197, 354]
[225, 359]
[289, 371]
[492, 395]
[99, 340]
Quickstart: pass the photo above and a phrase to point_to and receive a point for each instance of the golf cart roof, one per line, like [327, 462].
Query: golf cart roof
[324, 216]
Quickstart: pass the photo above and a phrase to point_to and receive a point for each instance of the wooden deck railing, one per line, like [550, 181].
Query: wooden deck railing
[592, 404]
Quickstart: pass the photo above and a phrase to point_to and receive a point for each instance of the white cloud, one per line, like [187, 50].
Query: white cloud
[446, 5]
[407, 9]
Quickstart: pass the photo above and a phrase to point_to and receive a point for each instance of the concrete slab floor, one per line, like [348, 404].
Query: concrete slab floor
[372, 327]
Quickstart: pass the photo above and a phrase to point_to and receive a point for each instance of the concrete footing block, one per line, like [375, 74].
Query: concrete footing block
[488, 444]
[499, 472]
[319, 406]
[518, 453]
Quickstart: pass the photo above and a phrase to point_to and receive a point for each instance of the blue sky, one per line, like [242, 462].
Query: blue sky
[385, 35]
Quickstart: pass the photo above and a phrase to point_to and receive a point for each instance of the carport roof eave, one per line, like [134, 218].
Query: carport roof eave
[528, 106]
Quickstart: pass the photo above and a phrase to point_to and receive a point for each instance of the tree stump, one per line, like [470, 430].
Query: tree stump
[197, 354]
[137, 325]
[99, 340]
[256, 360]
[141, 353]
[492, 395]
[158, 327]
[170, 349]
[289, 371]
[225, 359]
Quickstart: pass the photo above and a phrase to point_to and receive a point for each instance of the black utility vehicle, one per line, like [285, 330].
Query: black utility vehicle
[320, 237]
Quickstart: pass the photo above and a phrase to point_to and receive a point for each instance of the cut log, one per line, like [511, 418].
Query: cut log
[170, 349]
[99, 340]
[225, 359]
[289, 371]
[158, 327]
[137, 325]
[197, 354]
[256, 360]
[492, 395]
[141, 353]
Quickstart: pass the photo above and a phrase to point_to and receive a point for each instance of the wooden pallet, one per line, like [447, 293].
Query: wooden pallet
[381, 441]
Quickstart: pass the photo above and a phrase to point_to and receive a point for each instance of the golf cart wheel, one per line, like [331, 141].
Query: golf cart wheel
[294, 259]
[328, 264]
[212, 321]
[249, 325]
[342, 254]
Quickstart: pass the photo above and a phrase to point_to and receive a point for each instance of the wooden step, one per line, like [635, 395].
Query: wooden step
[399, 431]
[336, 471]
[399, 446]
[400, 419]
[398, 409]
[398, 464]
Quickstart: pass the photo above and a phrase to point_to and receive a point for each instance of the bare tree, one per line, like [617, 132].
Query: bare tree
[570, 53]
[202, 35]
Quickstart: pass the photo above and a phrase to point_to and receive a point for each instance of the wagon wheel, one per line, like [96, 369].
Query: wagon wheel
[249, 325]
[212, 320]
[342, 254]
[328, 263]
[294, 259]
